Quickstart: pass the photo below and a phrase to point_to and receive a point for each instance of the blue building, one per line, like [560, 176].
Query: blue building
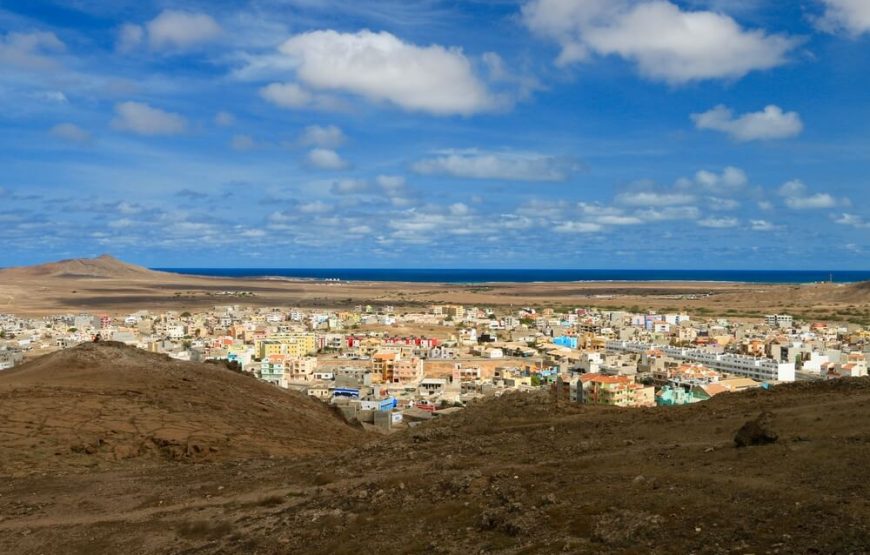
[569, 341]
[670, 396]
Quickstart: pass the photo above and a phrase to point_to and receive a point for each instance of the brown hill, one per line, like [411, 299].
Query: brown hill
[518, 474]
[106, 402]
[105, 267]
[521, 474]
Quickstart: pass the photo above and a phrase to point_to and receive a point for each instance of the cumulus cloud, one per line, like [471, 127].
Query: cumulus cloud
[616, 219]
[798, 198]
[852, 16]
[852, 220]
[818, 200]
[771, 123]
[382, 68]
[349, 187]
[669, 213]
[315, 207]
[31, 51]
[71, 132]
[140, 118]
[176, 29]
[459, 209]
[578, 227]
[391, 182]
[652, 198]
[326, 159]
[508, 166]
[728, 182]
[666, 42]
[328, 136]
[761, 225]
[286, 95]
[719, 223]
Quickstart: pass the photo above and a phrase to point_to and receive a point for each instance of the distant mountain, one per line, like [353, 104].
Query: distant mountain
[105, 266]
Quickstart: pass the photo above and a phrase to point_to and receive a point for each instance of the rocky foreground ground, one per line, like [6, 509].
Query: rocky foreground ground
[519, 474]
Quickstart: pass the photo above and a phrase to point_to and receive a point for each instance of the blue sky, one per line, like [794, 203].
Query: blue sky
[697, 134]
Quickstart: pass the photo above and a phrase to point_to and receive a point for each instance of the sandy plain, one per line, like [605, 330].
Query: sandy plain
[106, 285]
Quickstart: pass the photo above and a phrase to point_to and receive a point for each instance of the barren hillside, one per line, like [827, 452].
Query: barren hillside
[519, 474]
[107, 402]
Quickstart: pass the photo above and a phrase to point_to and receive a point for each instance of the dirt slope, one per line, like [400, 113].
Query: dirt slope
[520, 474]
[106, 402]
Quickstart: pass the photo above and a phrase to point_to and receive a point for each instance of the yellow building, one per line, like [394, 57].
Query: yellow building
[393, 369]
[296, 345]
[457, 312]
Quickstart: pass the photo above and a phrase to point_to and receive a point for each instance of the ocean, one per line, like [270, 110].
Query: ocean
[470, 276]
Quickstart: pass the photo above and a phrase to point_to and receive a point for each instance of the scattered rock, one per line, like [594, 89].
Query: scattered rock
[756, 432]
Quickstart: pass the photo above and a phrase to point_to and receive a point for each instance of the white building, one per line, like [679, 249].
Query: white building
[760, 369]
[779, 320]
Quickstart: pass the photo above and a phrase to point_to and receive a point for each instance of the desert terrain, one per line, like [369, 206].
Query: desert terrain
[81, 472]
[107, 285]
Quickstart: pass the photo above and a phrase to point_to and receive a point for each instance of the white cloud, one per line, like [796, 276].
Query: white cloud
[130, 36]
[728, 182]
[71, 133]
[852, 220]
[719, 223]
[818, 200]
[652, 198]
[349, 186]
[853, 16]
[797, 197]
[328, 136]
[578, 227]
[793, 188]
[537, 208]
[316, 207]
[56, 97]
[508, 166]
[722, 204]
[618, 220]
[459, 209]
[252, 233]
[143, 119]
[326, 159]
[669, 213]
[30, 51]
[762, 225]
[666, 42]
[175, 29]
[383, 68]
[224, 119]
[360, 229]
[391, 182]
[243, 142]
[771, 123]
[286, 95]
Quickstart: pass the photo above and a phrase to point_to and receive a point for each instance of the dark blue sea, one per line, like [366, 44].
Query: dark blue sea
[529, 276]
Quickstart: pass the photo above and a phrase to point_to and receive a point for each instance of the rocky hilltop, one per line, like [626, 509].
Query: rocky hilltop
[775, 471]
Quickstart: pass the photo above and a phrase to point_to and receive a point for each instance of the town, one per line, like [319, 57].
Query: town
[389, 368]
